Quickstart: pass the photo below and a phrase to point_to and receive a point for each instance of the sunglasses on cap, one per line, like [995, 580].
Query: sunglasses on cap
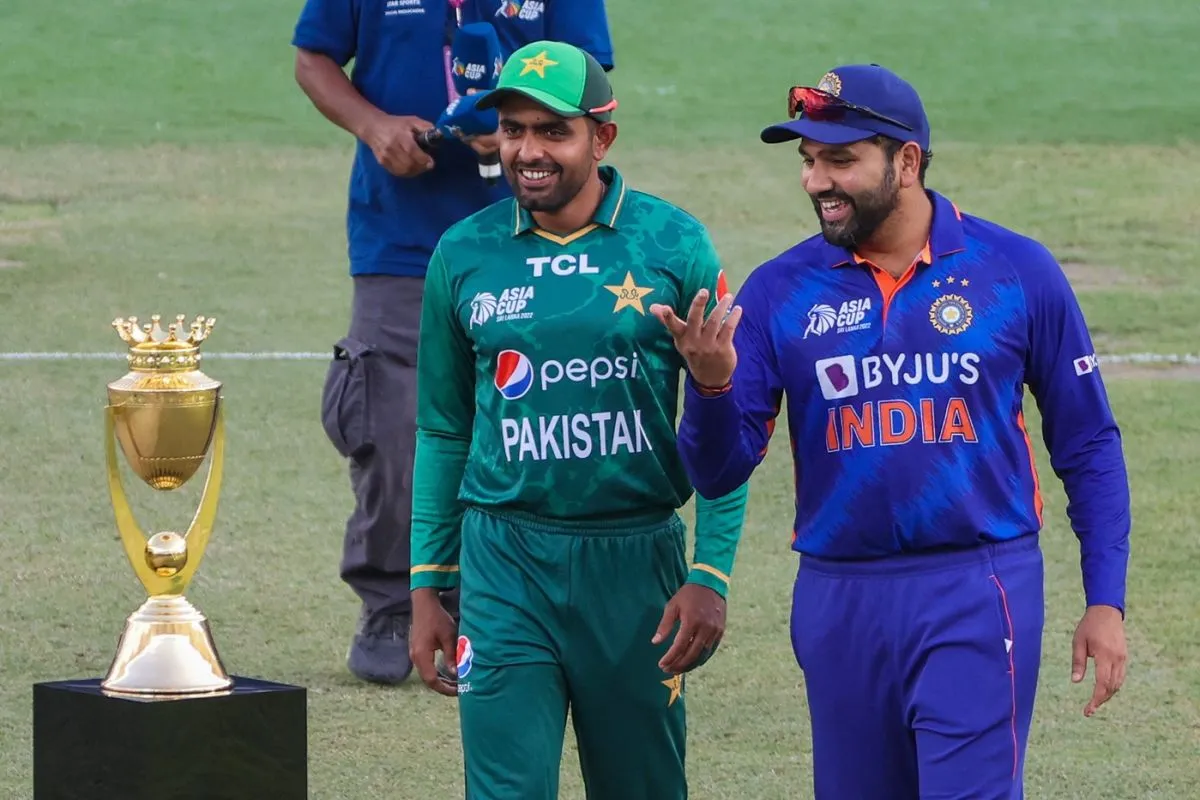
[821, 106]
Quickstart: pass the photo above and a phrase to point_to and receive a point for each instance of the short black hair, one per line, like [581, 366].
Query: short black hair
[892, 146]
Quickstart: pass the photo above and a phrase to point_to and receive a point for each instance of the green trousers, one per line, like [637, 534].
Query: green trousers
[562, 617]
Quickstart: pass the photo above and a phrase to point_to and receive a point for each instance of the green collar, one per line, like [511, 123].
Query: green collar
[607, 213]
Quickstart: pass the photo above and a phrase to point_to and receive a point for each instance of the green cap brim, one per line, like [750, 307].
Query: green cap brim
[493, 99]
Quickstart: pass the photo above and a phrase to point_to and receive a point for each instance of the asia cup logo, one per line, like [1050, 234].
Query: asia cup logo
[483, 305]
[526, 10]
[466, 657]
[820, 319]
[514, 374]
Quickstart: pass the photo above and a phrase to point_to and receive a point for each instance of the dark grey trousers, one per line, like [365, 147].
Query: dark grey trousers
[368, 410]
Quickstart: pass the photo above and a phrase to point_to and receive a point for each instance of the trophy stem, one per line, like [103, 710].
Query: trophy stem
[166, 650]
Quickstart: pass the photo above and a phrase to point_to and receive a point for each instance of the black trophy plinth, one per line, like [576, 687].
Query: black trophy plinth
[248, 744]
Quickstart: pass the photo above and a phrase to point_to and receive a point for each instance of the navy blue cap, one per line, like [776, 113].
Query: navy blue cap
[870, 86]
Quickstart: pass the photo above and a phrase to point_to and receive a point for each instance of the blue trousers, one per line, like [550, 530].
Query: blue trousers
[921, 671]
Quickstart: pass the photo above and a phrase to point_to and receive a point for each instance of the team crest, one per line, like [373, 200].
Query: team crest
[951, 314]
[830, 83]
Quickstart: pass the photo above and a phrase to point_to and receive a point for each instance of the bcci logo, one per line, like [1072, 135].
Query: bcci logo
[951, 314]
[831, 83]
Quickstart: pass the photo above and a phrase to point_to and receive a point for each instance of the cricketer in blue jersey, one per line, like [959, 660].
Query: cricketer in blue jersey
[902, 338]
[400, 200]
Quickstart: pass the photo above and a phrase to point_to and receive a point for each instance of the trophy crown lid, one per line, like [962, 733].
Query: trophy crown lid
[152, 336]
[155, 349]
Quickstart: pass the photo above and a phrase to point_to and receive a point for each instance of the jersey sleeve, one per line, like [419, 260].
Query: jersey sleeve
[583, 23]
[724, 437]
[329, 27]
[445, 415]
[718, 520]
[1078, 426]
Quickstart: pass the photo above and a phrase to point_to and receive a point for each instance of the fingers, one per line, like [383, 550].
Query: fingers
[1118, 677]
[713, 324]
[677, 327]
[404, 157]
[1110, 676]
[696, 645]
[670, 614]
[683, 644]
[423, 660]
[423, 646]
[695, 317]
[1103, 689]
[1078, 658]
[725, 336]
[449, 646]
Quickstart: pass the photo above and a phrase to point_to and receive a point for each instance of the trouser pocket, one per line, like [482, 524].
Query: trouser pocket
[346, 398]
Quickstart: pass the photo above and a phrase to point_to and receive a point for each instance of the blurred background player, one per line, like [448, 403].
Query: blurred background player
[547, 479]
[902, 337]
[401, 200]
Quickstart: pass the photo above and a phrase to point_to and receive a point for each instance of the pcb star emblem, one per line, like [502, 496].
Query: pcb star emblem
[675, 684]
[537, 64]
[629, 294]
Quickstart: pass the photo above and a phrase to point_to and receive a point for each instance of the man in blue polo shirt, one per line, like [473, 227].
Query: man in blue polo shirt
[902, 337]
[401, 200]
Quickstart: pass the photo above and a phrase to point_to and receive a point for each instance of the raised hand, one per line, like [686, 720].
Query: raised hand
[705, 344]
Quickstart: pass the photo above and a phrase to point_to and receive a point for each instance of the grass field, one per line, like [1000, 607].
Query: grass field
[157, 157]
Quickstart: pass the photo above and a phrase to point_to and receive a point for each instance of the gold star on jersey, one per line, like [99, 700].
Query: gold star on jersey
[675, 684]
[629, 294]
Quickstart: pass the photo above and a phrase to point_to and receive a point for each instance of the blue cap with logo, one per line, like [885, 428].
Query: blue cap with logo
[852, 103]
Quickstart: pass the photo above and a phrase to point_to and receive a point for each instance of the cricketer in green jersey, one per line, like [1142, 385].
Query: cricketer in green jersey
[547, 482]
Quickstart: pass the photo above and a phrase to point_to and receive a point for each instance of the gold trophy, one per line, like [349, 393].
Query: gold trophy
[167, 416]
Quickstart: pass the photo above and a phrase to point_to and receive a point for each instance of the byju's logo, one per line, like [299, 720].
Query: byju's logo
[838, 377]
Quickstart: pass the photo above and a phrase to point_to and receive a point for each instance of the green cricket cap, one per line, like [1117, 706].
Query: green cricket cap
[565, 79]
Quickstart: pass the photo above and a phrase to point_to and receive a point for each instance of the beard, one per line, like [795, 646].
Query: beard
[561, 188]
[868, 211]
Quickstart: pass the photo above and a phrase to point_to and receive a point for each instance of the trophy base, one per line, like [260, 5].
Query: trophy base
[166, 649]
[250, 743]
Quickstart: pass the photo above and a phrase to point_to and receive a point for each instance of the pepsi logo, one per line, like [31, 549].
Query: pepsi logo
[466, 656]
[514, 374]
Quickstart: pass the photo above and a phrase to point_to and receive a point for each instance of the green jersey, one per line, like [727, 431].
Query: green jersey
[540, 365]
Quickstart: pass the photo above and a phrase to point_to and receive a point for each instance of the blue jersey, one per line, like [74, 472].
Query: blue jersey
[904, 400]
[399, 49]
[583, 23]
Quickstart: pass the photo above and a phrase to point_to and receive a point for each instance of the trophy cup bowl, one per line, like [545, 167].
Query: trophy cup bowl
[166, 415]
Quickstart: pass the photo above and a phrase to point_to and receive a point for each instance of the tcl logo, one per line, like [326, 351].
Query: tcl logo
[562, 264]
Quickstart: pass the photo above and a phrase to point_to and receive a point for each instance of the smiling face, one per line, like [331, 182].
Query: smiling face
[547, 158]
[853, 189]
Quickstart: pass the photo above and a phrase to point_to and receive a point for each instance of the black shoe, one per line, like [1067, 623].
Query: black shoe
[379, 650]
